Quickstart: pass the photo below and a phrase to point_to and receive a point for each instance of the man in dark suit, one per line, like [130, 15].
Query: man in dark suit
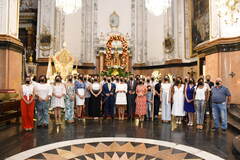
[109, 98]
[131, 96]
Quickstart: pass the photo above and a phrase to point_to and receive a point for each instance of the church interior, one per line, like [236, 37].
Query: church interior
[145, 57]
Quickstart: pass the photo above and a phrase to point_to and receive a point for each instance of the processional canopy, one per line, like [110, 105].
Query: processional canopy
[63, 62]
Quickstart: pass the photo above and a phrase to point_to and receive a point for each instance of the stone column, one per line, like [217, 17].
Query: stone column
[139, 31]
[11, 48]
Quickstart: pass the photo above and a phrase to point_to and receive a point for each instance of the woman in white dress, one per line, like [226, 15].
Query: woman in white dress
[121, 98]
[165, 99]
[80, 96]
[178, 101]
[58, 94]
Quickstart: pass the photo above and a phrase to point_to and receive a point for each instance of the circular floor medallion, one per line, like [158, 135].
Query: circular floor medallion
[114, 148]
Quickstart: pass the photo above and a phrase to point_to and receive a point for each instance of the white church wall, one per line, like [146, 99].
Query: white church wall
[106, 8]
[155, 38]
[72, 33]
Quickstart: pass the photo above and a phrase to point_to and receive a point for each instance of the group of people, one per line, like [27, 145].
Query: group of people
[135, 96]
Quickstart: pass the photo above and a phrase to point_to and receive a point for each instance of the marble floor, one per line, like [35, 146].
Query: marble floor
[177, 142]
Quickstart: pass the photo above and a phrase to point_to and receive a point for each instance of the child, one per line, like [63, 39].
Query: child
[149, 101]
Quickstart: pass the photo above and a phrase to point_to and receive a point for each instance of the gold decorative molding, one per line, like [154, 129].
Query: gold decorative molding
[220, 41]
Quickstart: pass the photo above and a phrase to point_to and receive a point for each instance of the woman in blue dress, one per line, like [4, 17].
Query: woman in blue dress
[189, 100]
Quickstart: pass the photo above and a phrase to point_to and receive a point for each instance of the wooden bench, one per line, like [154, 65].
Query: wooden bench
[10, 110]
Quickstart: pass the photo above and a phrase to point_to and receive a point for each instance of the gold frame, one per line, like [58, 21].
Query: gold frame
[31, 66]
[189, 22]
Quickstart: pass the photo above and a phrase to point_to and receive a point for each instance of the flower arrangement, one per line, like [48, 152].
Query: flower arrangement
[116, 71]
[157, 75]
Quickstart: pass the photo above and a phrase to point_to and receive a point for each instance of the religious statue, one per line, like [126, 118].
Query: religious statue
[116, 58]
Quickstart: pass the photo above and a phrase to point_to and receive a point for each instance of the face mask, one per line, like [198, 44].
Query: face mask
[95, 80]
[121, 80]
[104, 79]
[200, 83]
[208, 80]
[117, 79]
[58, 80]
[185, 80]
[191, 81]
[27, 81]
[165, 79]
[131, 78]
[85, 79]
[109, 80]
[148, 80]
[152, 79]
[140, 82]
[42, 80]
[70, 79]
[217, 83]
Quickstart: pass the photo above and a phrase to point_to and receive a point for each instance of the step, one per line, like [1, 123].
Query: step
[236, 147]
[234, 112]
[234, 123]
[237, 106]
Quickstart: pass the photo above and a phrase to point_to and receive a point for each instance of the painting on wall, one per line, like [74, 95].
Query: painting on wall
[199, 22]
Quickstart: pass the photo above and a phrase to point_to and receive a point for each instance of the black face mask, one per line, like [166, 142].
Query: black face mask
[42, 80]
[70, 79]
[165, 79]
[117, 79]
[148, 81]
[104, 79]
[191, 81]
[95, 80]
[178, 82]
[109, 81]
[152, 79]
[174, 79]
[208, 80]
[200, 83]
[140, 82]
[131, 78]
[185, 80]
[85, 79]
[217, 83]
[28, 81]
[58, 80]
[121, 80]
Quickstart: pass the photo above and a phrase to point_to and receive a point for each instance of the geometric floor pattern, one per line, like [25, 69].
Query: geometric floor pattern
[116, 150]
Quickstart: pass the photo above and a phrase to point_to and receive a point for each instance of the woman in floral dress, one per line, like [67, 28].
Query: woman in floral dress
[69, 100]
[141, 100]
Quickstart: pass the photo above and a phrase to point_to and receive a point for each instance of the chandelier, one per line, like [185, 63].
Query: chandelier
[157, 7]
[69, 6]
[229, 10]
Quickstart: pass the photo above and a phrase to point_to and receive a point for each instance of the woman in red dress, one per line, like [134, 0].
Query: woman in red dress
[141, 100]
[27, 105]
